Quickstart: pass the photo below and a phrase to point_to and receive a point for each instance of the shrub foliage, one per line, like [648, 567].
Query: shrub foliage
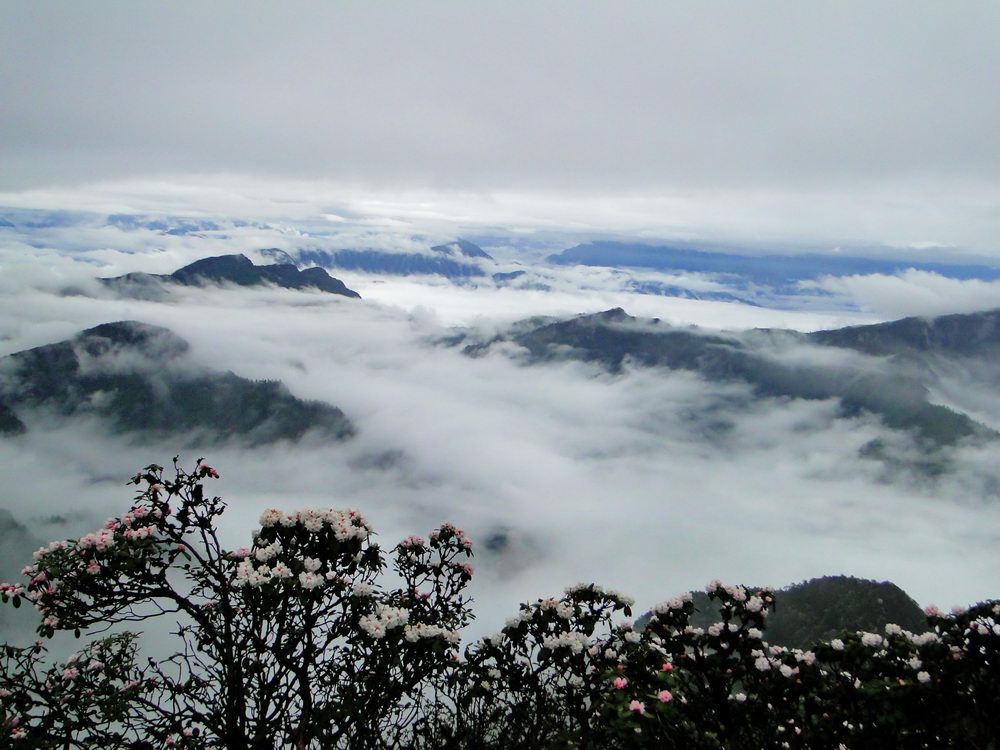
[300, 641]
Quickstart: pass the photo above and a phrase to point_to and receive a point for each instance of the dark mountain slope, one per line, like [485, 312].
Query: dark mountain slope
[758, 358]
[454, 260]
[135, 377]
[770, 270]
[970, 334]
[398, 264]
[463, 248]
[233, 269]
[822, 608]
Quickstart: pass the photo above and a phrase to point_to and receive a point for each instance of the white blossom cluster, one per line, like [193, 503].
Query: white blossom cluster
[385, 618]
[100, 540]
[562, 609]
[572, 640]
[346, 524]
[871, 639]
[41, 552]
[248, 575]
[514, 620]
[676, 602]
[414, 633]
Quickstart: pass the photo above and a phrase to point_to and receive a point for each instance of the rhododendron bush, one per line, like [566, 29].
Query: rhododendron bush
[299, 641]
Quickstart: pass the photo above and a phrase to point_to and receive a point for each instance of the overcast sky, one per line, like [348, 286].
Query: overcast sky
[869, 121]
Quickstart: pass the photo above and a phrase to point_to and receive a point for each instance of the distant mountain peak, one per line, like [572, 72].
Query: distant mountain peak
[155, 341]
[895, 393]
[462, 247]
[149, 394]
[234, 269]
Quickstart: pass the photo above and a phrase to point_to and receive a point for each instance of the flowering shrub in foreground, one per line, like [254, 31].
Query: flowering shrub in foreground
[288, 642]
[295, 642]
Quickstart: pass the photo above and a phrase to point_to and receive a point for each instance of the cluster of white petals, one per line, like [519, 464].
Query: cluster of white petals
[99, 540]
[263, 554]
[41, 552]
[362, 589]
[310, 580]
[806, 657]
[384, 618]
[922, 639]
[572, 640]
[871, 639]
[414, 633]
[676, 602]
[345, 524]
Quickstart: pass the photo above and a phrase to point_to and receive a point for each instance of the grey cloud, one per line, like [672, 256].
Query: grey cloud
[657, 98]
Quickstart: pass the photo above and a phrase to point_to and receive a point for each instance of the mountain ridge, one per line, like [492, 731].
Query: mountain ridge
[134, 377]
[232, 269]
[893, 390]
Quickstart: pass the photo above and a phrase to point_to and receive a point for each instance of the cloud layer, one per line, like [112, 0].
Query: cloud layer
[827, 122]
[627, 480]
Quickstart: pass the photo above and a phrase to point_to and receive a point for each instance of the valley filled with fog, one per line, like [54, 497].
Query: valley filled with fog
[648, 479]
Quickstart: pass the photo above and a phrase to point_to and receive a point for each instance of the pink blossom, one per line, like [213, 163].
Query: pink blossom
[667, 667]
[637, 706]
[70, 674]
[664, 696]
[620, 683]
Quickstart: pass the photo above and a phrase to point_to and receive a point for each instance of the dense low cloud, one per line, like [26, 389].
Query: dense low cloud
[624, 479]
[914, 292]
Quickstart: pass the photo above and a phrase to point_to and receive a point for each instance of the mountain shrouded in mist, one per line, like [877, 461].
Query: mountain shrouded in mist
[772, 361]
[230, 269]
[822, 608]
[770, 270]
[134, 377]
[453, 260]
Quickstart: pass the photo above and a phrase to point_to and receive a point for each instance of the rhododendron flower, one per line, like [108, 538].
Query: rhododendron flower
[310, 580]
[923, 677]
[871, 639]
[667, 667]
[637, 706]
[664, 696]
[620, 683]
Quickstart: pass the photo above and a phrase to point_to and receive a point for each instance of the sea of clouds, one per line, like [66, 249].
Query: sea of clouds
[571, 473]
